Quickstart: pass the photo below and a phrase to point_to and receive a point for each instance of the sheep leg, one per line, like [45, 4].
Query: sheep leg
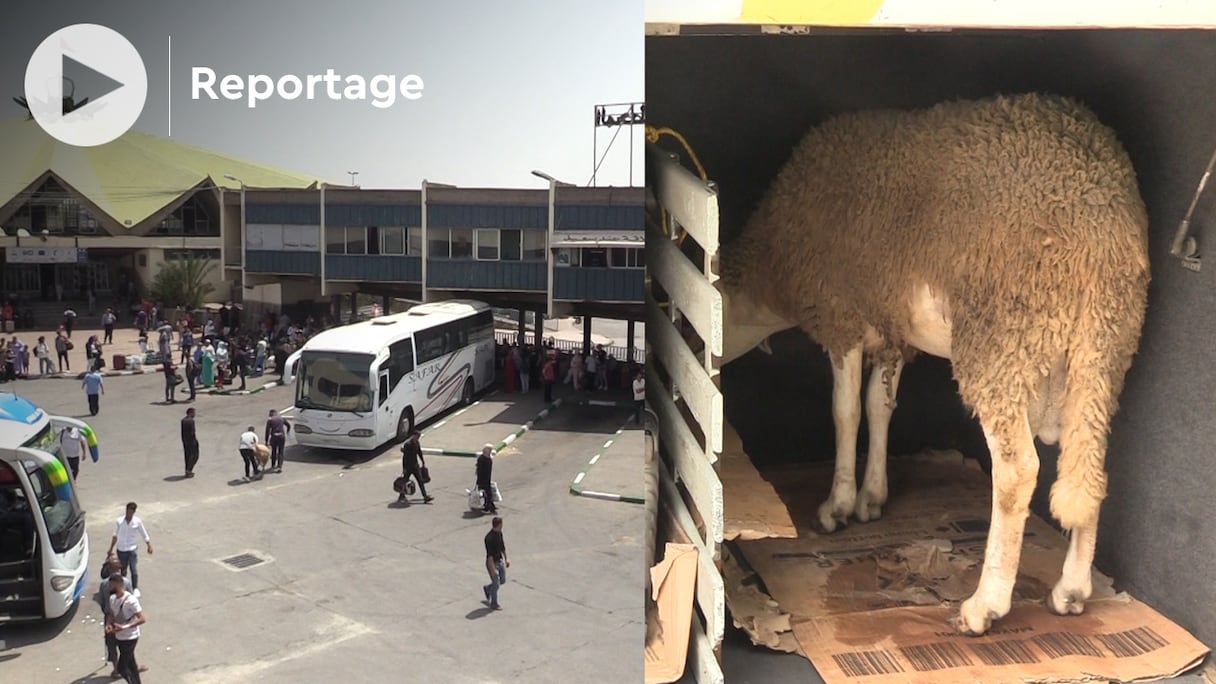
[1076, 584]
[1015, 468]
[846, 414]
[880, 404]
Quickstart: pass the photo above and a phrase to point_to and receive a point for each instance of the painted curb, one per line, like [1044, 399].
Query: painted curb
[577, 490]
[506, 441]
[603, 402]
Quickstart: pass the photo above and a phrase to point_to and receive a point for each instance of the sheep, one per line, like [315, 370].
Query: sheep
[1005, 234]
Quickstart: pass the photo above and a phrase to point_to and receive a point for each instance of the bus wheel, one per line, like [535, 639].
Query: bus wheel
[406, 425]
[467, 397]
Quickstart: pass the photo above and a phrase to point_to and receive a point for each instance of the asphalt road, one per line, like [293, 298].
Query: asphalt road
[355, 588]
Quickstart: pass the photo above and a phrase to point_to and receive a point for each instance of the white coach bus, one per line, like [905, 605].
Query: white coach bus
[361, 385]
[44, 550]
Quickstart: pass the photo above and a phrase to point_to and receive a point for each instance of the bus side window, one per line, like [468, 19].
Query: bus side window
[383, 388]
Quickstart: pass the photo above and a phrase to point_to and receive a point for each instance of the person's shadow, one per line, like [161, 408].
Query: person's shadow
[478, 613]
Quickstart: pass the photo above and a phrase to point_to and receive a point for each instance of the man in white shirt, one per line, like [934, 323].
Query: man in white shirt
[72, 445]
[127, 532]
[249, 445]
[639, 395]
[123, 621]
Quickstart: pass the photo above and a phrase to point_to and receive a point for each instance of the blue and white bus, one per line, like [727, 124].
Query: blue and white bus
[361, 385]
[44, 549]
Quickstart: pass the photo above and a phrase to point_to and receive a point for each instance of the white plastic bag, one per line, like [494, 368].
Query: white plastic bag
[497, 494]
[476, 501]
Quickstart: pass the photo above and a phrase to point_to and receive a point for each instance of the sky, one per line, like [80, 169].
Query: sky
[508, 86]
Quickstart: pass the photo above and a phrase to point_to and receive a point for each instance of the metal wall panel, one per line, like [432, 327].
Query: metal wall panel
[469, 274]
[599, 284]
[600, 217]
[297, 214]
[375, 268]
[409, 215]
[288, 263]
[486, 216]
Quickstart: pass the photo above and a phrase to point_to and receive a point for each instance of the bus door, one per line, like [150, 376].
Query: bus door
[386, 419]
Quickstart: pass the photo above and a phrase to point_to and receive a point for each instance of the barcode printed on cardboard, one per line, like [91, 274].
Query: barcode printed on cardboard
[939, 656]
[1133, 642]
[1063, 644]
[867, 663]
[1005, 653]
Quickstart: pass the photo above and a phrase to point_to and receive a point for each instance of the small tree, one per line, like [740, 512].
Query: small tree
[183, 282]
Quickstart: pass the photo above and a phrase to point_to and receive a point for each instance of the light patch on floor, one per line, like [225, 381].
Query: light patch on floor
[338, 630]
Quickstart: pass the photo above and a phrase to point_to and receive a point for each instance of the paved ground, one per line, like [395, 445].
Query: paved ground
[357, 588]
[613, 468]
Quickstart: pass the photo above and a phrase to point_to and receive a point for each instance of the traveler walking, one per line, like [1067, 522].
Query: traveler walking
[192, 372]
[107, 325]
[277, 428]
[72, 445]
[496, 563]
[94, 387]
[109, 568]
[249, 444]
[127, 532]
[485, 471]
[62, 346]
[549, 375]
[170, 379]
[639, 395]
[69, 321]
[43, 354]
[189, 442]
[124, 620]
[412, 465]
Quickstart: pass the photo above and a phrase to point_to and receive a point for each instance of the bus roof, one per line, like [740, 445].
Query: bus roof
[20, 419]
[369, 337]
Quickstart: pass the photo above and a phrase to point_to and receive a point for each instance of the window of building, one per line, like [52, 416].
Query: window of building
[534, 245]
[414, 235]
[191, 218]
[356, 240]
[392, 240]
[511, 241]
[335, 239]
[594, 257]
[462, 243]
[567, 256]
[627, 257]
[488, 245]
[438, 243]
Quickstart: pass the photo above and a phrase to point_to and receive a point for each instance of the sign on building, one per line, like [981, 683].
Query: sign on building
[46, 255]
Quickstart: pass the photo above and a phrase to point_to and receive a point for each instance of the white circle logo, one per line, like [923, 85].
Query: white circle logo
[108, 62]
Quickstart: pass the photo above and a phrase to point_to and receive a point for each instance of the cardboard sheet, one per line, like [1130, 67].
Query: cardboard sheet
[754, 611]
[868, 601]
[752, 509]
[674, 580]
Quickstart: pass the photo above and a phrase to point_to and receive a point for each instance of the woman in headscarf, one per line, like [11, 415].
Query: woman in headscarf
[92, 352]
[208, 364]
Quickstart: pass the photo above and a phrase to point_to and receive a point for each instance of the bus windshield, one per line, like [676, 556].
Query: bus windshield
[54, 494]
[334, 381]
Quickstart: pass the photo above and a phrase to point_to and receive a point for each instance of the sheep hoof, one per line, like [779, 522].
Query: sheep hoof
[974, 619]
[868, 509]
[1066, 602]
[832, 516]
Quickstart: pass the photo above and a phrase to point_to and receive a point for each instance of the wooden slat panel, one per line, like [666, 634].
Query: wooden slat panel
[711, 593]
[691, 291]
[689, 461]
[694, 384]
[701, 658]
[686, 197]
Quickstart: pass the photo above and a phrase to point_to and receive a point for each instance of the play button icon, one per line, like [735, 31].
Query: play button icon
[86, 85]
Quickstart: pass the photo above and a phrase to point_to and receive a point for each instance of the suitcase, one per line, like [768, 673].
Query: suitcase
[120, 362]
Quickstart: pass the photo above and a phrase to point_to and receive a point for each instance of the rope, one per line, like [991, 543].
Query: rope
[653, 134]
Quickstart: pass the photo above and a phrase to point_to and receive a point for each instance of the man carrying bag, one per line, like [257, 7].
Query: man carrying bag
[413, 465]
